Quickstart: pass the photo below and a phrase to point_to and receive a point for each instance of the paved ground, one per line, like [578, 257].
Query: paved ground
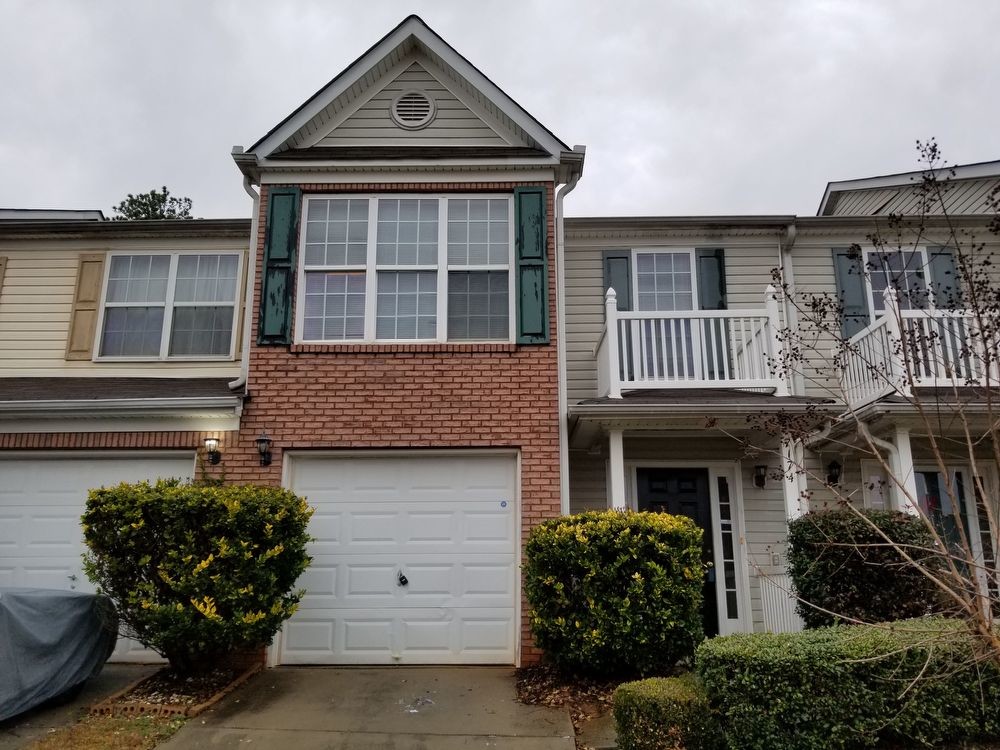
[391, 708]
[21, 730]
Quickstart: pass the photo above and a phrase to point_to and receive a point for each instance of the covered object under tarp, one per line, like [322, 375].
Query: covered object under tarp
[50, 642]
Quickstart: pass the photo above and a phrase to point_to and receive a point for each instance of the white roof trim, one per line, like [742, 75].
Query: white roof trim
[416, 28]
[906, 179]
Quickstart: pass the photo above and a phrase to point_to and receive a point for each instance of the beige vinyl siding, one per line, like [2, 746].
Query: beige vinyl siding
[959, 197]
[36, 306]
[453, 124]
[748, 272]
[763, 510]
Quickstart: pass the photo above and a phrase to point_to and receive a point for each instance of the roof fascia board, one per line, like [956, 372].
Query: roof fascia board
[416, 28]
[119, 405]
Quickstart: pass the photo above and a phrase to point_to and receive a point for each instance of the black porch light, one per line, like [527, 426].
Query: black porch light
[263, 444]
[833, 470]
[212, 452]
[759, 476]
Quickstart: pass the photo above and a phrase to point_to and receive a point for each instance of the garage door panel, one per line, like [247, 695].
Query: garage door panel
[447, 523]
[476, 636]
[41, 501]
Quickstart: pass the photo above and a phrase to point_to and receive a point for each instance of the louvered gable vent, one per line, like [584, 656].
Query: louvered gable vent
[413, 110]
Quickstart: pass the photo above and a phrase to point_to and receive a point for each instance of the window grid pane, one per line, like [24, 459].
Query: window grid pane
[664, 281]
[478, 305]
[201, 331]
[336, 232]
[478, 231]
[905, 271]
[206, 278]
[406, 305]
[132, 332]
[407, 233]
[334, 306]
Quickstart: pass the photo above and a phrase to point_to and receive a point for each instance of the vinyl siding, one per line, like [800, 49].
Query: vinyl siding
[763, 510]
[36, 303]
[959, 197]
[748, 272]
[453, 124]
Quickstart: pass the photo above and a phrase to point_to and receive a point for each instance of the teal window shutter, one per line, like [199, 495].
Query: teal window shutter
[711, 278]
[532, 277]
[278, 277]
[618, 276]
[945, 281]
[848, 269]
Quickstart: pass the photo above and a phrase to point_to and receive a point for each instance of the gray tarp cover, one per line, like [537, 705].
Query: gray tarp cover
[50, 642]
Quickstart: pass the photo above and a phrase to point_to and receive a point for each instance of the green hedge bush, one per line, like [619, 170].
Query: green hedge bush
[837, 561]
[665, 713]
[917, 684]
[613, 592]
[197, 572]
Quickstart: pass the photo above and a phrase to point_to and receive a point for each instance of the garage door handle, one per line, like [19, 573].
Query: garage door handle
[402, 579]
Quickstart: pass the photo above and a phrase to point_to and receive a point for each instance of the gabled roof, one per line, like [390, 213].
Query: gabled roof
[966, 190]
[398, 48]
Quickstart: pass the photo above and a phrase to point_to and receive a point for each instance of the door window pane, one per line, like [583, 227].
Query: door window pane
[663, 281]
[904, 271]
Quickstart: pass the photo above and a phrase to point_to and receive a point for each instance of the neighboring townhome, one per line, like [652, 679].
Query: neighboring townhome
[403, 368]
[118, 343]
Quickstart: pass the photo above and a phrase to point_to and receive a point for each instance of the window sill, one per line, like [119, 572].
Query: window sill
[426, 348]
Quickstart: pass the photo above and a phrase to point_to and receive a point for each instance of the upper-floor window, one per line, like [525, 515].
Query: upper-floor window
[902, 270]
[405, 268]
[169, 305]
[664, 280]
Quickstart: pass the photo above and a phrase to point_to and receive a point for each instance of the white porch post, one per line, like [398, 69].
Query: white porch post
[906, 478]
[616, 452]
[791, 485]
[897, 347]
[611, 334]
[774, 345]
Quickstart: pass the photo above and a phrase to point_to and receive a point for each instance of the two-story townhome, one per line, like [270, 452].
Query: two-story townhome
[409, 334]
[120, 345]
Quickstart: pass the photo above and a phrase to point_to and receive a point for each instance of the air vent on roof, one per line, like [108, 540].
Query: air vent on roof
[413, 110]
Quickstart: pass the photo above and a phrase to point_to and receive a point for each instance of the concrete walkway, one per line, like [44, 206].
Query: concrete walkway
[390, 708]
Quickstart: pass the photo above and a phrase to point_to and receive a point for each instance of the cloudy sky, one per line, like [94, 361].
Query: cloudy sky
[685, 106]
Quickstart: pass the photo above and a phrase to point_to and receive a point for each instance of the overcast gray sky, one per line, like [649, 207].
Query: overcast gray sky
[686, 107]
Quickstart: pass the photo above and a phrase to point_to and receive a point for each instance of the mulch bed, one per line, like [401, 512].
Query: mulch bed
[166, 693]
[584, 697]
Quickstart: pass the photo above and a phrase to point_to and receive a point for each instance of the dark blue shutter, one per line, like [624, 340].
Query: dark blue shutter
[848, 269]
[711, 278]
[532, 271]
[618, 276]
[278, 276]
[945, 281]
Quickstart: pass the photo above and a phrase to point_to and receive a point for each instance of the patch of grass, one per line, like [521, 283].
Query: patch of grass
[107, 733]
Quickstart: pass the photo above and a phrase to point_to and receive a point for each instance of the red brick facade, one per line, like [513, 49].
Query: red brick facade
[402, 396]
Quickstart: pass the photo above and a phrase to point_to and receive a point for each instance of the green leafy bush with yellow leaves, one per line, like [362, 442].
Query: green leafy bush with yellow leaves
[197, 572]
[665, 713]
[615, 592]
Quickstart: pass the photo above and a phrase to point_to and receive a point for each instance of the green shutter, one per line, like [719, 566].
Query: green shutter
[711, 278]
[618, 276]
[532, 266]
[848, 268]
[278, 275]
[945, 281]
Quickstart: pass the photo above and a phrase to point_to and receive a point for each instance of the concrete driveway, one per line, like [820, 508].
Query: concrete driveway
[390, 708]
[21, 730]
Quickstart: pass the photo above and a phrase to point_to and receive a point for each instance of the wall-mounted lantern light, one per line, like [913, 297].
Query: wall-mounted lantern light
[212, 450]
[759, 476]
[833, 470]
[264, 449]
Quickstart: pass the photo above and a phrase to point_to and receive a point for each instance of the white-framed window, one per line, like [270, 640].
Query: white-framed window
[664, 280]
[406, 268]
[169, 305]
[903, 270]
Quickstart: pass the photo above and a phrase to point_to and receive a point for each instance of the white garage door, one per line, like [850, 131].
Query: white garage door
[413, 561]
[41, 501]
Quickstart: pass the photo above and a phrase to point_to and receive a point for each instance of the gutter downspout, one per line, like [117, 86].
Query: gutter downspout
[248, 297]
[561, 336]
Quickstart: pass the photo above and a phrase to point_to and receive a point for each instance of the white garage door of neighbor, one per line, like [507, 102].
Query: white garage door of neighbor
[413, 561]
[41, 501]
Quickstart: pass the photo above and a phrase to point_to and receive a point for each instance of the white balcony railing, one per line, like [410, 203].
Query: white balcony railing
[689, 349]
[906, 349]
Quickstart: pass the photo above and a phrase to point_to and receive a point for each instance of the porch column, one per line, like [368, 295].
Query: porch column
[775, 347]
[616, 452]
[791, 485]
[906, 478]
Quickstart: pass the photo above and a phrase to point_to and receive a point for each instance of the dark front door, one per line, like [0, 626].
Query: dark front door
[684, 492]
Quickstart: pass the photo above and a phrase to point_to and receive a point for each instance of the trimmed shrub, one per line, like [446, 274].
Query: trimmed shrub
[840, 563]
[197, 572]
[917, 684]
[665, 713]
[615, 592]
